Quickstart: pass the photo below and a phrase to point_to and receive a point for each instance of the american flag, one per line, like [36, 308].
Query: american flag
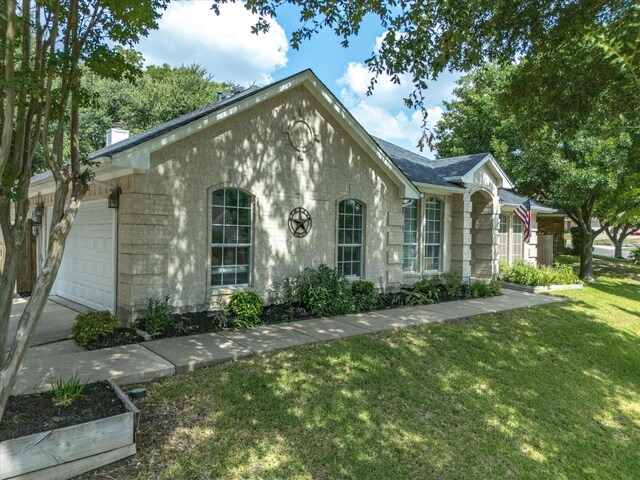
[523, 212]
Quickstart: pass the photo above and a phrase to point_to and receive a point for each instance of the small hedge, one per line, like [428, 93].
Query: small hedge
[91, 326]
[245, 308]
[634, 256]
[525, 273]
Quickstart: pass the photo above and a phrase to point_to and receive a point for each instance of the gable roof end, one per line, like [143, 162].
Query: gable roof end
[135, 152]
[461, 169]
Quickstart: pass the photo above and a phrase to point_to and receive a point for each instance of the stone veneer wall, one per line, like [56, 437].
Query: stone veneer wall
[165, 221]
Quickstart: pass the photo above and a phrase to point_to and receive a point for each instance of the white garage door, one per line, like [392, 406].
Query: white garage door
[86, 274]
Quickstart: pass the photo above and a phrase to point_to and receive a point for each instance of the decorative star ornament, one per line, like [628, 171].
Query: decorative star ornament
[299, 222]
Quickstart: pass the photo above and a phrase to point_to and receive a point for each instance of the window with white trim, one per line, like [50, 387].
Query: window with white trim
[410, 234]
[350, 237]
[432, 234]
[517, 245]
[231, 237]
[503, 239]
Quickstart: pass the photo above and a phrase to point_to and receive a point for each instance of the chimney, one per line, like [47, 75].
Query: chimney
[116, 134]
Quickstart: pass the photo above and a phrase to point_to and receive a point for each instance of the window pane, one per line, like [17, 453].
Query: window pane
[243, 256]
[231, 197]
[244, 200]
[229, 278]
[231, 235]
[216, 256]
[217, 198]
[229, 257]
[231, 216]
[216, 279]
[242, 278]
[217, 215]
[244, 216]
[216, 233]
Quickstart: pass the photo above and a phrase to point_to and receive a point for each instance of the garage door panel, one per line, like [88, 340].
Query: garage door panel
[86, 271]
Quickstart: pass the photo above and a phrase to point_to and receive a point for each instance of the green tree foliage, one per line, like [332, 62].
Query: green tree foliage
[46, 47]
[157, 95]
[565, 71]
[578, 172]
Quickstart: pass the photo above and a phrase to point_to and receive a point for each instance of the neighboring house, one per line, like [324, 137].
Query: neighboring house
[263, 183]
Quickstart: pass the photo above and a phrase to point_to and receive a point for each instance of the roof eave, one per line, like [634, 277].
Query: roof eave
[441, 188]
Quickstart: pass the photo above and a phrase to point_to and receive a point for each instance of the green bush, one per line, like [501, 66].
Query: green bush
[634, 256]
[453, 284]
[323, 291]
[430, 288]
[90, 326]
[494, 289]
[246, 308]
[65, 392]
[525, 273]
[364, 296]
[158, 316]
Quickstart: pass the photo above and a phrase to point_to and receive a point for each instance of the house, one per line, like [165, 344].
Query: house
[263, 183]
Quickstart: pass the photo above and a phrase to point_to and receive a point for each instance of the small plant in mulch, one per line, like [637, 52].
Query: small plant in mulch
[245, 308]
[158, 316]
[65, 392]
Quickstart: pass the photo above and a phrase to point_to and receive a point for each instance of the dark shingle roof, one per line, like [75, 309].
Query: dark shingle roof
[509, 198]
[456, 166]
[414, 166]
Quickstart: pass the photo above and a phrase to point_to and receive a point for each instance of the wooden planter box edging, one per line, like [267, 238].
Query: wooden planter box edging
[540, 288]
[63, 453]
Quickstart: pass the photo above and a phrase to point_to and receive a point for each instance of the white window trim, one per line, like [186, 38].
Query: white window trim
[416, 244]
[216, 289]
[352, 278]
[426, 272]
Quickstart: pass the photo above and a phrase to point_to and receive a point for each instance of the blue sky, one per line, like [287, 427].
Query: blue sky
[190, 32]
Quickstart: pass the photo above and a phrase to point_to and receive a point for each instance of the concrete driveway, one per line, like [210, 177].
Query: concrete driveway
[56, 321]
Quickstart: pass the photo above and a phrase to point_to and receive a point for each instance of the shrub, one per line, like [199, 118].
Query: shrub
[284, 292]
[430, 288]
[524, 273]
[158, 316]
[323, 291]
[478, 289]
[90, 326]
[364, 296]
[494, 289]
[634, 256]
[453, 284]
[65, 392]
[246, 308]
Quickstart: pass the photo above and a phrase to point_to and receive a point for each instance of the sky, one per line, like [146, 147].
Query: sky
[190, 32]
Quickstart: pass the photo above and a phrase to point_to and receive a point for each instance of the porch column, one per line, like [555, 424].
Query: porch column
[461, 235]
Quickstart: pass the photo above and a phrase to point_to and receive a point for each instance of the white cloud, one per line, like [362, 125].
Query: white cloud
[190, 32]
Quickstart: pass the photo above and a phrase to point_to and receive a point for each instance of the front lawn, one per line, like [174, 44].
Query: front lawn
[546, 392]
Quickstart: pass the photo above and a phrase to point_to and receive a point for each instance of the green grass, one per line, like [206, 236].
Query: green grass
[546, 392]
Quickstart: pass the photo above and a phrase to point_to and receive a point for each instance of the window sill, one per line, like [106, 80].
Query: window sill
[227, 290]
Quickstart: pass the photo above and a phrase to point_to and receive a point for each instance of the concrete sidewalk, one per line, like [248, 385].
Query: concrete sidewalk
[165, 357]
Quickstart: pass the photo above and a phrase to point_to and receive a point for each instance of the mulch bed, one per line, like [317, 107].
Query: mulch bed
[36, 412]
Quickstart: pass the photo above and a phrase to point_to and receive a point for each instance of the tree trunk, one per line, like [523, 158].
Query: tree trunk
[586, 256]
[618, 248]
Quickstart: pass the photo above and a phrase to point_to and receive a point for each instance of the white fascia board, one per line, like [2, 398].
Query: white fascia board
[493, 165]
[48, 185]
[428, 188]
[406, 188]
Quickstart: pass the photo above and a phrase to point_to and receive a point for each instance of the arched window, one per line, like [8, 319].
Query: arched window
[503, 239]
[410, 236]
[350, 237]
[432, 233]
[231, 237]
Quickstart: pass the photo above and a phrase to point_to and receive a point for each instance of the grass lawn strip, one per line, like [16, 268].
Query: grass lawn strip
[545, 392]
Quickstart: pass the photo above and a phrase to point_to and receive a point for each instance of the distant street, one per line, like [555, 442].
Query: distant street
[608, 251]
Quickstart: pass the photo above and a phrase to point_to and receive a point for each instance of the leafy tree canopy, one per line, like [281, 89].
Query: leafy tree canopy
[157, 95]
